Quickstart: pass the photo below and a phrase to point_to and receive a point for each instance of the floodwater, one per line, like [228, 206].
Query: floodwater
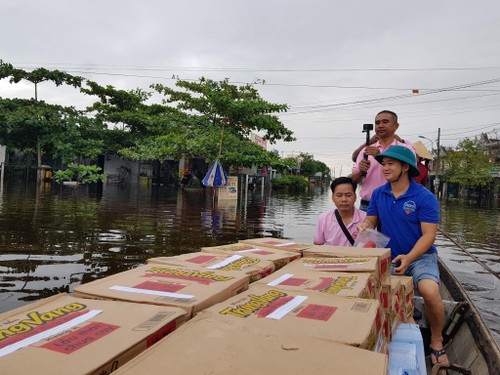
[54, 239]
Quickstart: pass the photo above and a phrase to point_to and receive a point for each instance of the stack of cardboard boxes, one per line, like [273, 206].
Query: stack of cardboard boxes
[64, 334]
[277, 256]
[190, 288]
[259, 305]
[255, 268]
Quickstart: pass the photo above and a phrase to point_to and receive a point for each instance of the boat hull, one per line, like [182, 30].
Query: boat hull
[471, 344]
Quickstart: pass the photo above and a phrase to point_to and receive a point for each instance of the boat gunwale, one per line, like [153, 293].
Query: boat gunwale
[483, 338]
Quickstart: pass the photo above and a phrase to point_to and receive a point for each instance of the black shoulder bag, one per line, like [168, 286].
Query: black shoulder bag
[343, 227]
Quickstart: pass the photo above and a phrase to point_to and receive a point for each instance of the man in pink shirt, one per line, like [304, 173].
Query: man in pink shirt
[368, 172]
[339, 227]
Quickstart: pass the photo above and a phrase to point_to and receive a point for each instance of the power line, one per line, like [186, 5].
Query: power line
[319, 108]
[248, 69]
[262, 82]
[459, 138]
[475, 130]
[347, 136]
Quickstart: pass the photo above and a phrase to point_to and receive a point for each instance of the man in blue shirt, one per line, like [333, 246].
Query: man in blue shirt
[409, 214]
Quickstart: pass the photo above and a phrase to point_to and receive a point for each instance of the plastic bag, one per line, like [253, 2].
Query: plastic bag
[371, 238]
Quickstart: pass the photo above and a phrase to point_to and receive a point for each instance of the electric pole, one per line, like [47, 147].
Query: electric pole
[438, 165]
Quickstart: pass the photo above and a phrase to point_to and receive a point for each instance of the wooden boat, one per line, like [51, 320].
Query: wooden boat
[470, 347]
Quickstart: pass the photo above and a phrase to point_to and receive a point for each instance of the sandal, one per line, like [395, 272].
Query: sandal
[437, 354]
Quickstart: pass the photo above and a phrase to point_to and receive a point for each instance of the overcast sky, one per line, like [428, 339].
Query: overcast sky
[335, 63]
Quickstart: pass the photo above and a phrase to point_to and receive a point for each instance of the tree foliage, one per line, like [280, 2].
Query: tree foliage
[83, 174]
[241, 110]
[468, 164]
[213, 120]
[37, 127]
[38, 75]
[291, 183]
[309, 166]
[206, 118]
[126, 109]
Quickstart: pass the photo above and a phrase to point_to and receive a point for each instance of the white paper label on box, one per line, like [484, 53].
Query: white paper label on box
[286, 244]
[286, 308]
[280, 279]
[225, 262]
[249, 250]
[333, 264]
[150, 292]
[50, 332]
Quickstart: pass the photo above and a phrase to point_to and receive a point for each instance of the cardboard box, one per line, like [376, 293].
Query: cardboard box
[278, 243]
[397, 300]
[347, 284]
[383, 255]
[68, 335]
[409, 306]
[385, 294]
[345, 264]
[391, 323]
[278, 257]
[206, 346]
[255, 268]
[408, 291]
[191, 289]
[397, 291]
[351, 321]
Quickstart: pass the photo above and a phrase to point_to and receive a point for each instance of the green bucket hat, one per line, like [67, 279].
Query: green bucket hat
[403, 154]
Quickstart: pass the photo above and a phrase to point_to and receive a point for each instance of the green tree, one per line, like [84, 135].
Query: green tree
[40, 75]
[82, 138]
[467, 164]
[228, 109]
[37, 127]
[136, 122]
[30, 125]
[309, 166]
[212, 120]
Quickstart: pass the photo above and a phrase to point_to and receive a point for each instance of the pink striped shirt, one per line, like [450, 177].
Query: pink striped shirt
[374, 177]
[329, 232]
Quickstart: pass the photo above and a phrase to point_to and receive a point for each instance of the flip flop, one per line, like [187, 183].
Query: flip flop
[437, 354]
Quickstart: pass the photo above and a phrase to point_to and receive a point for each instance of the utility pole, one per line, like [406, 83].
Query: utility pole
[438, 165]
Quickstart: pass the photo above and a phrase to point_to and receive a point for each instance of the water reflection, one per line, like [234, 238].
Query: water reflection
[53, 240]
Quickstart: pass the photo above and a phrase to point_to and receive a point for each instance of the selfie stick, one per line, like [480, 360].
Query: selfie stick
[366, 129]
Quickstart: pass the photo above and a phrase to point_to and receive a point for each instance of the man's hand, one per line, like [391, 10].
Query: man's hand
[401, 263]
[372, 150]
[364, 165]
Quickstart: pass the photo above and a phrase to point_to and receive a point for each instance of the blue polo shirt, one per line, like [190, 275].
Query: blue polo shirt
[401, 217]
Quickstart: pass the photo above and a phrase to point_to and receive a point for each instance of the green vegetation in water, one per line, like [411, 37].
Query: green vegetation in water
[290, 183]
[83, 174]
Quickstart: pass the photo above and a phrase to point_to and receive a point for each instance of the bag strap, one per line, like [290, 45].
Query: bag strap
[343, 227]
